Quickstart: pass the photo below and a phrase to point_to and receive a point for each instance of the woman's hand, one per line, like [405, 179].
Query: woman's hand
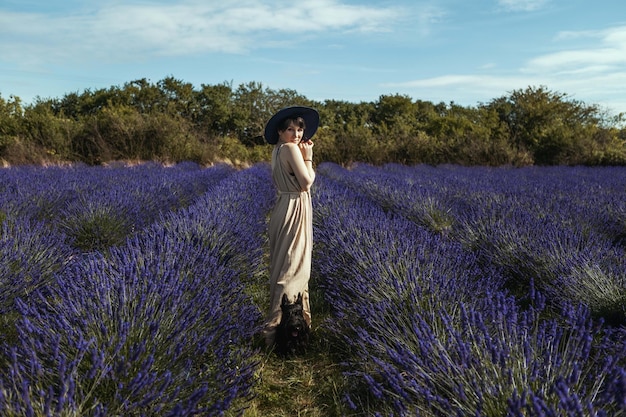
[306, 148]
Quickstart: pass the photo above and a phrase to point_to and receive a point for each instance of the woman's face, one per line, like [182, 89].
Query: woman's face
[292, 134]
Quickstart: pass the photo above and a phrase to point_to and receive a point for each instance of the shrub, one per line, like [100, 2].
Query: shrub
[30, 255]
[158, 326]
[426, 328]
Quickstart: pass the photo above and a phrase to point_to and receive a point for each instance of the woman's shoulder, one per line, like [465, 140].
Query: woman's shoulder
[289, 148]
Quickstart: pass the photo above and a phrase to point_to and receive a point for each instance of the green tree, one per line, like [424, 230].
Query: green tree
[346, 132]
[214, 114]
[394, 117]
[253, 105]
[11, 113]
[551, 127]
[48, 131]
[179, 98]
[170, 120]
[142, 95]
[469, 136]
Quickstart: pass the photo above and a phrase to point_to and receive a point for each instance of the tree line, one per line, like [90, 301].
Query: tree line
[172, 121]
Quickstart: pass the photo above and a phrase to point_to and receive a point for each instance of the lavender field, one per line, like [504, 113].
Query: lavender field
[449, 291]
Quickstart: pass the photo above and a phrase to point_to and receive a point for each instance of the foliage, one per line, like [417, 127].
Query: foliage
[425, 323]
[98, 207]
[535, 225]
[10, 117]
[437, 290]
[554, 129]
[30, 255]
[171, 121]
[157, 326]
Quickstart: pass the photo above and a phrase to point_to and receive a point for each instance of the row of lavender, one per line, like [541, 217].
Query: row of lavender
[423, 314]
[49, 215]
[97, 207]
[158, 325]
[418, 265]
[562, 228]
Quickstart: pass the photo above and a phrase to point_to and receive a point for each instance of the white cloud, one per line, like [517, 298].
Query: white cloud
[186, 27]
[473, 89]
[596, 73]
[606, 51]
[479, 87]
[522, 5]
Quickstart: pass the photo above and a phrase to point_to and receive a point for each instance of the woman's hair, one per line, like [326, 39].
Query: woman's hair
[284, 124]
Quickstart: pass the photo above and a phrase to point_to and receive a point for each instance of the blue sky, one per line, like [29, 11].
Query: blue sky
[468, 52]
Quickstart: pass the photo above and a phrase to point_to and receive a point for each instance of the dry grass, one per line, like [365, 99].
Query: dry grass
[309, 385]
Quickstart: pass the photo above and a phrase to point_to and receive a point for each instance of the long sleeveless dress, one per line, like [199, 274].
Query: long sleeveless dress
[291, 244]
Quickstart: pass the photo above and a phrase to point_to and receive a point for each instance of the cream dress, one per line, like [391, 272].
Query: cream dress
[291, 244]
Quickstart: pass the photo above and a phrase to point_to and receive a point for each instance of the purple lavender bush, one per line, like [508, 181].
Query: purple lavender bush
[120, 204]
[551, 227]
[133, 336]
[30, 255]
[97, 207]
[350, 231]
[158, 326]
[560, 227]
[426, 328]
[53, 213]
[37, 193]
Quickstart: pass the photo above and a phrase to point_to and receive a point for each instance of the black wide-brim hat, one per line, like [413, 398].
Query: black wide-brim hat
[311, 119]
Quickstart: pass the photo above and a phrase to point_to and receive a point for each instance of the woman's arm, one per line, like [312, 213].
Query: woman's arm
[300, 159]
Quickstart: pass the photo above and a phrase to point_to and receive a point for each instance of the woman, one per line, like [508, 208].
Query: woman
[291, 222]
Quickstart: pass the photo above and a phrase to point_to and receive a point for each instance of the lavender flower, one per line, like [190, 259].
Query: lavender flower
[30, 254]
[158, 326]
[429, 328]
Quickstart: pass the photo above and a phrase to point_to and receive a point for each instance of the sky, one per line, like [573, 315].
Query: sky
[466, 52]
